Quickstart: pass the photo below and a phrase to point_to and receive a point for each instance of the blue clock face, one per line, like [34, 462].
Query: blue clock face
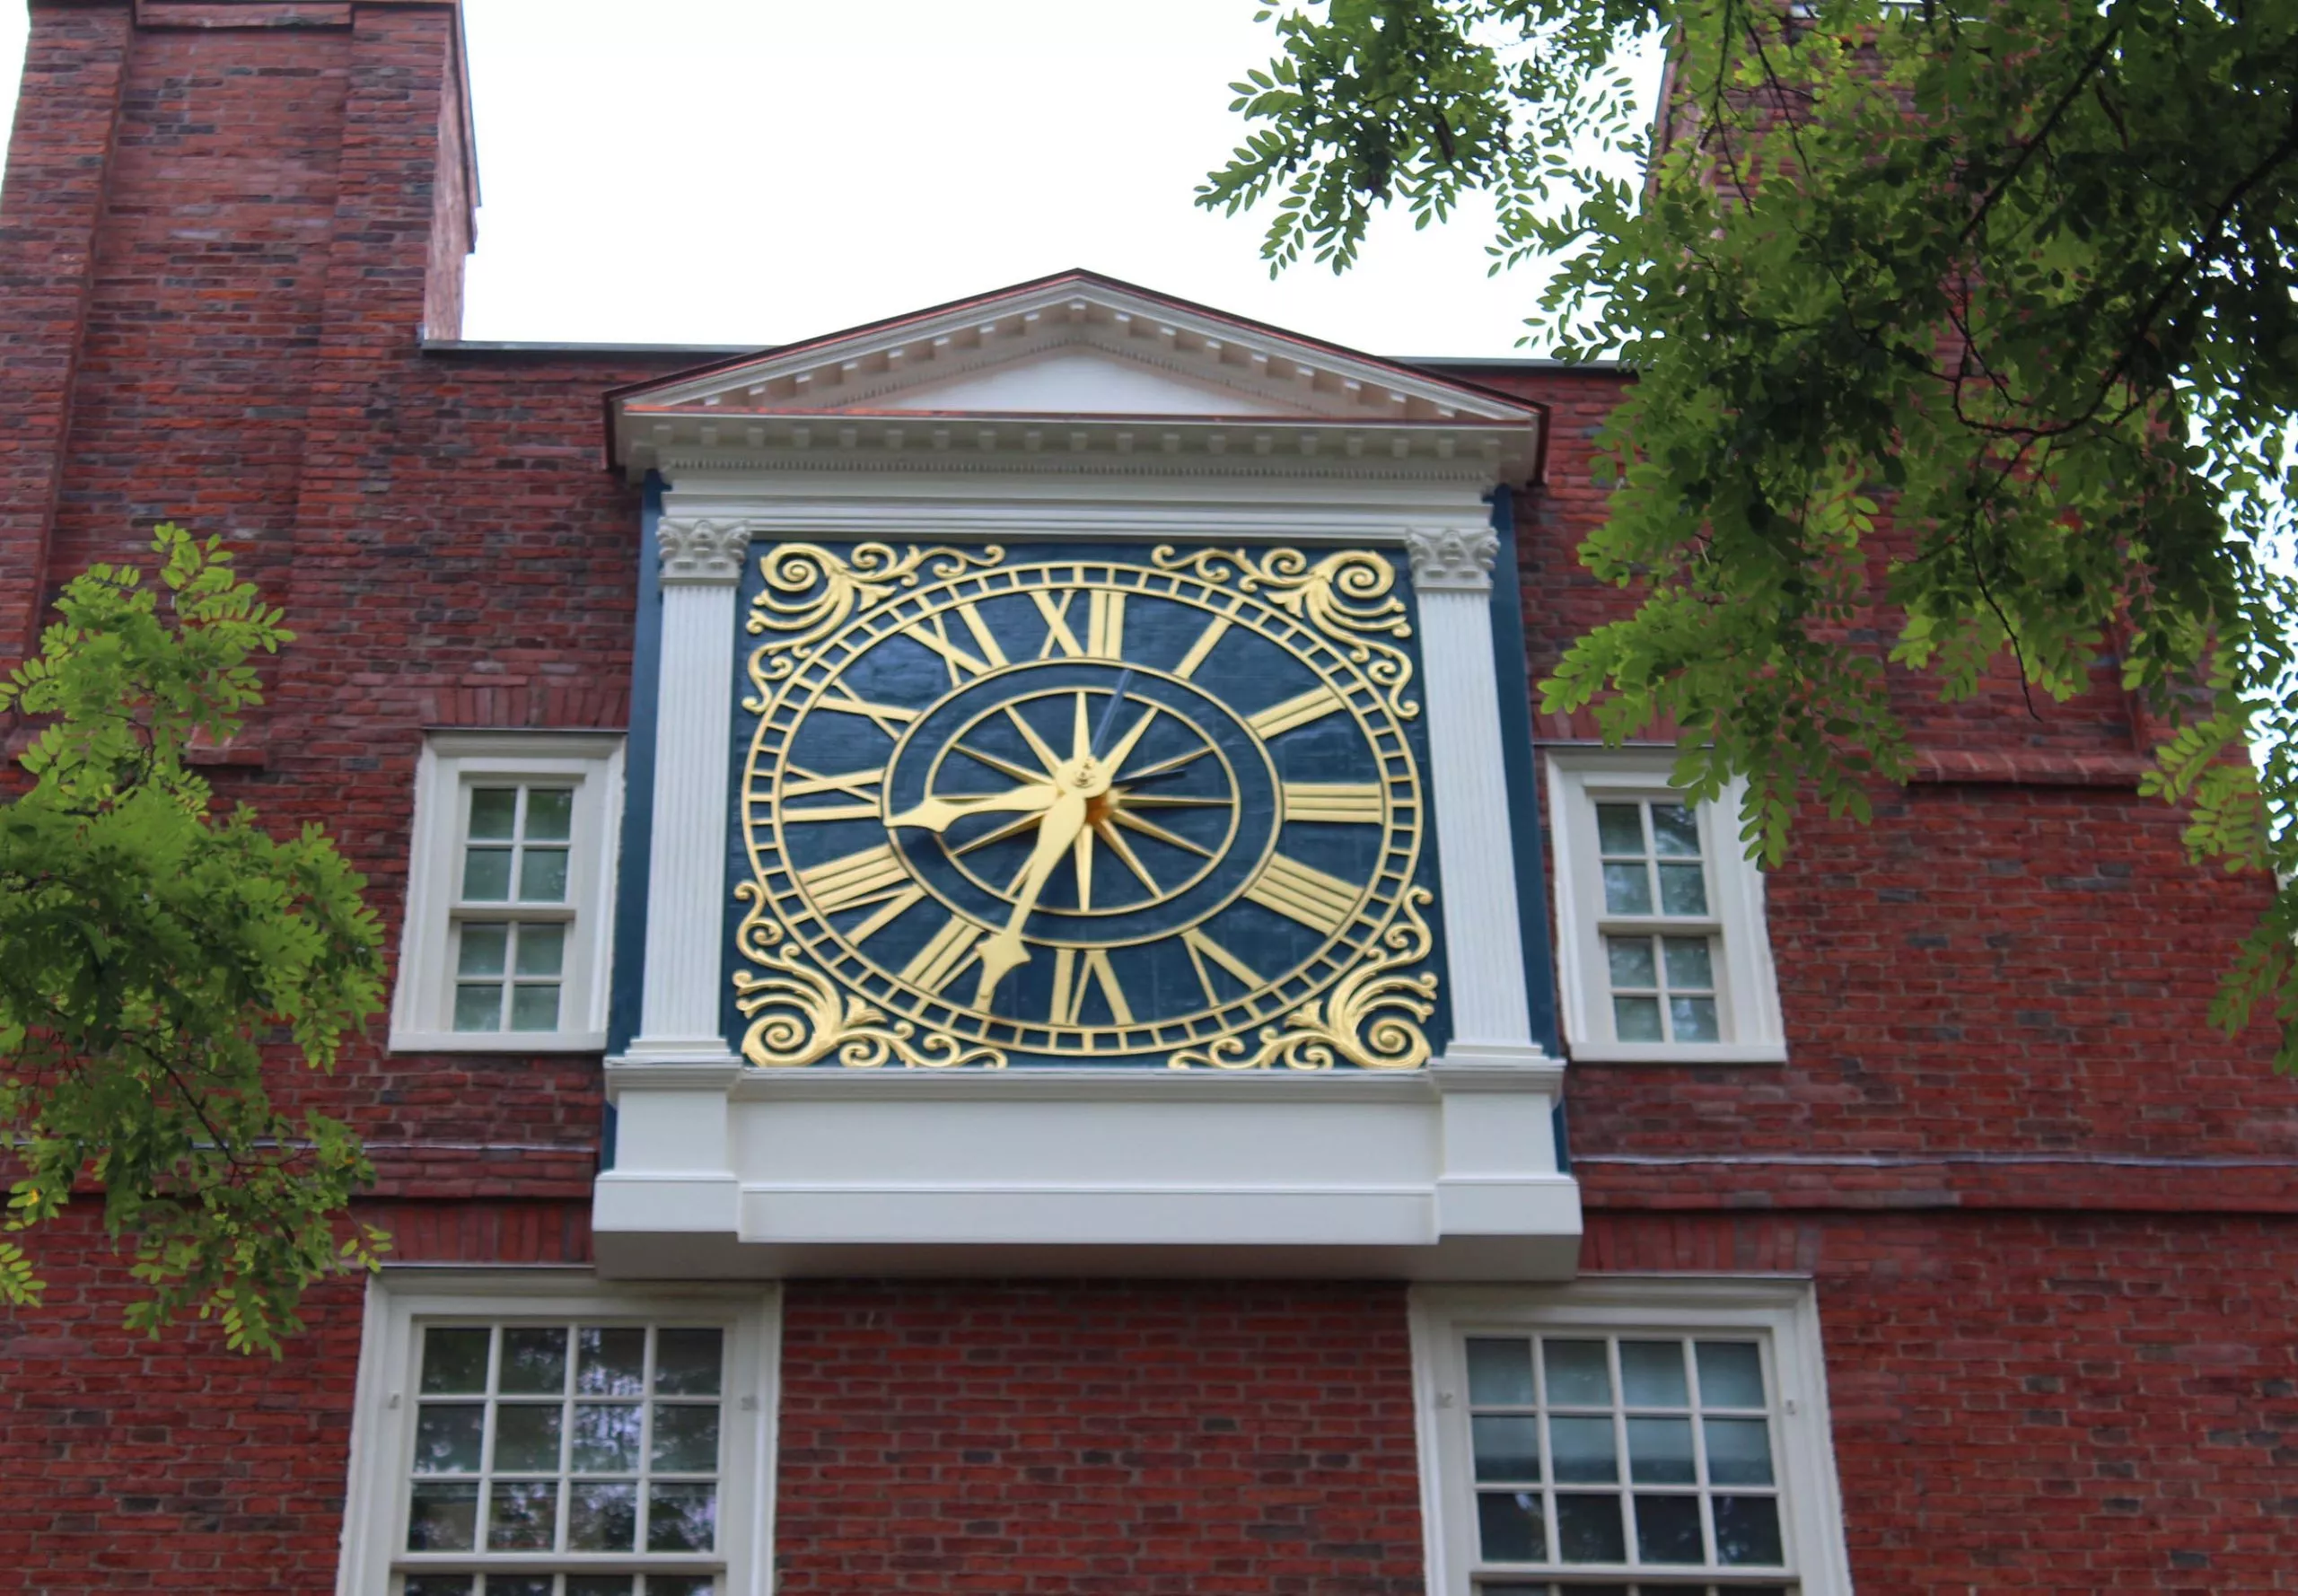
[1080, 809]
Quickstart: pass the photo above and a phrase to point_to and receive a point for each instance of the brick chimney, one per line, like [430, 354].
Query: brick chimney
[226, 224]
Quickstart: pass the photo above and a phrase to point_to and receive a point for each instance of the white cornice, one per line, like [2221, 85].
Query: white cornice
[844, 393]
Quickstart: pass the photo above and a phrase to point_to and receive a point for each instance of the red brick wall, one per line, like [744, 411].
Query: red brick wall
[1137, 1440]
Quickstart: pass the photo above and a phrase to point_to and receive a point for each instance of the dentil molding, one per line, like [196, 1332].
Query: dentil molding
[1452, 559]
[701, 552]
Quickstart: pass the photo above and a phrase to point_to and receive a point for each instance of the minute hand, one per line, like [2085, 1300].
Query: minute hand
[1004, 952]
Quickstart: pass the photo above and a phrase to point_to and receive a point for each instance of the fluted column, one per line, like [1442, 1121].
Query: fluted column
[1451, 575]
[702, 564]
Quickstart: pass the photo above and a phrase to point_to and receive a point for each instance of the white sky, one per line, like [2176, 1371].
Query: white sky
[761, 170]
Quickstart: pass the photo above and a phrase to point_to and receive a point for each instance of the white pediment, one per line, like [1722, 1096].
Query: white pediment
[1081, 380]
[1099, 365]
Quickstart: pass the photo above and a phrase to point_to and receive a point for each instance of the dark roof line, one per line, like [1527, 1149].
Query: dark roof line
[544, 346]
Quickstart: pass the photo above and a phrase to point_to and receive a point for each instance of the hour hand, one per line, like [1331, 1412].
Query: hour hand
[939, 814]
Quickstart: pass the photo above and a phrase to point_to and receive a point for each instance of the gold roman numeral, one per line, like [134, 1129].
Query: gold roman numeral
[1058, 634]
[1355, 803]
[862, 786]
[1214, 631]
[934, 632]
[1071, 977]
[938, 962]
[1105, 624]
[855, 880]
[1201, 948]
[1300, 892]
[889, 718]
[1278, 718]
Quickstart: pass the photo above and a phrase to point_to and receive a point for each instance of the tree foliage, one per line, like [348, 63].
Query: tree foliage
[156, 951]
[1962, 336]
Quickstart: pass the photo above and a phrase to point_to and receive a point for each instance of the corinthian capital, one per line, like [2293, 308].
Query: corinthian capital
[1452, 559]
[701, 552]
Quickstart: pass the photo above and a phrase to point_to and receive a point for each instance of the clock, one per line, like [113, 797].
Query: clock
[1057, 807]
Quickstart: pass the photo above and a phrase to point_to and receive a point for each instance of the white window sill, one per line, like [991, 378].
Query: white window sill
[497, 1042]
[1678, 1052]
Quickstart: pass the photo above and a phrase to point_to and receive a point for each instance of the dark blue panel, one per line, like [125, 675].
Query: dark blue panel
[629, 974]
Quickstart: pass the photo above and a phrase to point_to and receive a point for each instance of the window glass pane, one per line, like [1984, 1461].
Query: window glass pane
[542, 875]
[518, 1584]
[478, 1008]
[436, 1585]
[523, 1515]
[1683, 890]
[1739, 1452]
[455, 1360]
[686, 1362]
[1747, 1531]
[447, 1437]
[1631, 961]
[606, 1438]
[681, 1518]
[1509, 1528]
[609, 1362]
[1658, 1451]
[487, 875]
[1628, 889]
[480, 950]
[1667, 1530]
[1693, 1019]
[677, 1585]
[1500, 1372]
[1689, 969]
[1731, 1375]
[686, 1439]
[534, 1008]
[526, 1438]
[534, 1359]
[1636, 1019]
[600, 1517]
[1507, 1448]
[1675, 831]
[1588, 1530]
[443, 1517]
[1585, 1451]
[1653, 1375]
[542, 950]
[551, 813]
[604, 1584]
[1619, 829]
[493, 810]
[1579, 1374]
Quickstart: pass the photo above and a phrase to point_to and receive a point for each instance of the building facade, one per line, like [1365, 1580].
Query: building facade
[997, 988]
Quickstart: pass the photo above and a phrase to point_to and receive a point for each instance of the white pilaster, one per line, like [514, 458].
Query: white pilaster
[1452, 573]
[702, 564]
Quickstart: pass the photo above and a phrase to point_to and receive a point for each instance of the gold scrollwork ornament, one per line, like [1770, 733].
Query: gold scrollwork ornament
[810, 592]
[1372, 1020]
[1344, 596]
[797, 1017]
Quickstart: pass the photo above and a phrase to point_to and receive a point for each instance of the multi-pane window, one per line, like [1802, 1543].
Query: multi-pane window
[1652, 1453]
[510, 893]
[1658, 931]
[510, 972]
[1661, 940]
[1627, 1438]
[565, 1459]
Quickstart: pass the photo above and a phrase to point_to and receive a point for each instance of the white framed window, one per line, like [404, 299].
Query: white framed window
[533, 1433]
[1623, 1436]
[510, 893]
[1661, 950]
